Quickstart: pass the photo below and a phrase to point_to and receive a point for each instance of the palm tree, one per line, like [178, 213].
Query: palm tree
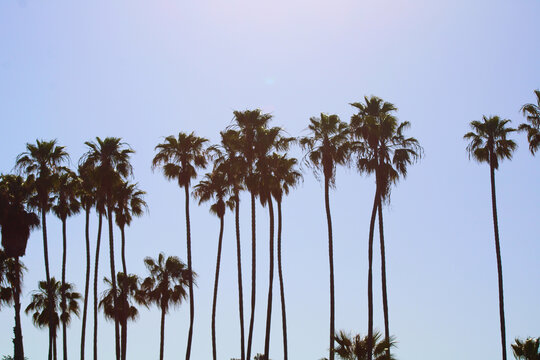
[532, 113]
[384, 150]
[166, 286]
[43, 160]
[527, 350]
[67, 205]
[16, 223]
[128, 292]
[358, 348]
[129, 203]
[45, 306]
[179, 158]
[488, 143]
[110, 159]
[326, 147]
[215, 186]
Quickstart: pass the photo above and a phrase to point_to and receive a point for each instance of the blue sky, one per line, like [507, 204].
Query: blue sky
[142, 70]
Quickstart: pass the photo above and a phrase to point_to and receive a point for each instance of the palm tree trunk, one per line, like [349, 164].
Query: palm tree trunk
[383, 279]
[113, 278]
[331, 262]
[87, 280]
[253, 276]
[18, 341]
[499, 262]
[370, 275]
[45, 245]
[63, 291]
[216, 283]
[239, 266]
[162, 335]
[270, 281]
[124, 267]
[281, 287]
[124, 340]
[50, 357]
[191, 301]
[98, 243]
[55, 357]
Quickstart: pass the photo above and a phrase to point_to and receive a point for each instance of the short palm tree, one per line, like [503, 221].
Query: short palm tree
[46, 310]
[489, 143]
[179, 159]
[532, 113]
[357, 347]
[166, 286]
[43, 160]
[326, 147]
[527, 350]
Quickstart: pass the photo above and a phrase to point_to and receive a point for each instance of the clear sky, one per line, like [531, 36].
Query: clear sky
[142, 69]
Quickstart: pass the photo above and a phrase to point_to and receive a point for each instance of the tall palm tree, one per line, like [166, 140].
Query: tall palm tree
[166, 286]
[16, 222]
[45, 306]
[179, 159]
[357, 347]
[488, 142]
[326, 147]
[532, 113]
[128, 293]
[43, 160]
[110, 158]
[66, 205]
[528, 349]
[129, 203]
[382, 149]
[286, 177]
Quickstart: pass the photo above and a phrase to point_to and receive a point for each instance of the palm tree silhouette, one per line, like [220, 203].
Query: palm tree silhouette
[381, 149]
[45, 306]
[532, 113]
[110, 158]
[488, 143]
[179, 158]
[358, 348]
[66, 205]
[326, 147]
[166, 286]
[43, 160]
[528, 349]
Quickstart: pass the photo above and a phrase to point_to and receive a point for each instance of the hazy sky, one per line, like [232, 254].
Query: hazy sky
[142, 70]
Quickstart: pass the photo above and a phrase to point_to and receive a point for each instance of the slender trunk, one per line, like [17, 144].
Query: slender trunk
[113, 279]
[370, 276]
[383, 279]
[18, 340]
[45, 245]
[63, 290]
[122, 231]
[216, 283]
[253, 276]
[87, 281]
[96, 267]
[50, 344]
[124, 340]
[191, 302]
[162, 335]
[331, 262]
[270, 281]
[499, 262]
[55, 354]
[281, 287]
[239, 265]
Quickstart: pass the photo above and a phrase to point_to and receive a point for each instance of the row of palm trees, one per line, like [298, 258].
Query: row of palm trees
[250, 157]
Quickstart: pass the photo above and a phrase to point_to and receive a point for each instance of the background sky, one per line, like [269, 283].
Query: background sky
[142, 70]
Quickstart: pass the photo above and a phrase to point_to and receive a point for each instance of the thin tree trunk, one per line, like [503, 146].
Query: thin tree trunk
[87, 281]
[239, 265]
[331, 263]
[216, 283]
[63, 290]
[124, 340]
[383, 279]
[18, 340]
[55, 354]
[124, 266]
[270, 280]
[96, 268]
[281, 287]
[191, 301]
[370, 275]
[253, 277]
[113, 279]
[45, 245]
[162, 335]
[499, 262]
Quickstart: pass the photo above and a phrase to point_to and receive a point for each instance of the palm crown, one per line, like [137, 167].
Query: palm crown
[129, 201]
[126, 292]
[67, 190]
[532, 113]
[214, 185]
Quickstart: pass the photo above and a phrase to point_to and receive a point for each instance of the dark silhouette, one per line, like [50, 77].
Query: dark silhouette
[529, 349]
[358, 348]
[532, 113]
[488, 143]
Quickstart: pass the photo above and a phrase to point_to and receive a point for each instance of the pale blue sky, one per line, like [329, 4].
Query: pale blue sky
[142, 70]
